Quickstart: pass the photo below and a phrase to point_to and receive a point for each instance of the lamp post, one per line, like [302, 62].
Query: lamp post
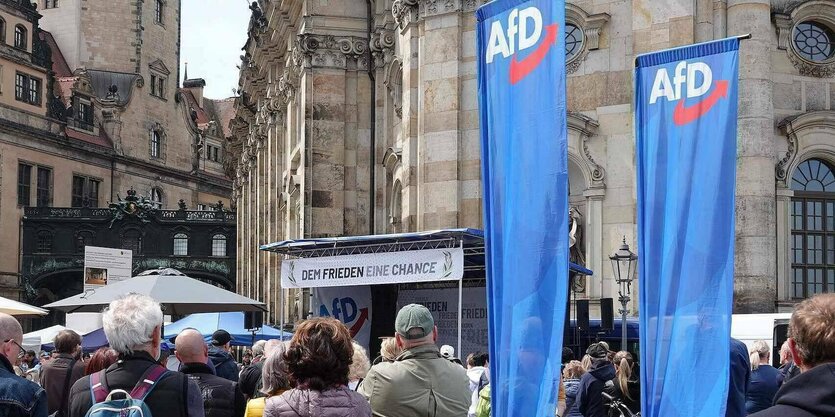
[624, 263]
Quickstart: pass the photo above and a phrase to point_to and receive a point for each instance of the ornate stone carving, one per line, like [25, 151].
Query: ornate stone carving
[140, 208]
[591, 25]
[394, 84]
[785, 22]
[404, 12]
[794, 128]
[587, 128]
[326, 51]
[382, 47]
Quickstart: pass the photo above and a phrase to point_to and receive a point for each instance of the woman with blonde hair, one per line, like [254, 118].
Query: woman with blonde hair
[571, 379]
[359, 367]
[626, 387]
[389, 350]
[763, 384]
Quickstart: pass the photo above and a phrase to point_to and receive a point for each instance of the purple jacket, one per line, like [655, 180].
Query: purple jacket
[337, 402]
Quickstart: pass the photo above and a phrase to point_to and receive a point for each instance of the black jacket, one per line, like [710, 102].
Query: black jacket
[173, 396]
[590, 395]
[250, 380]
[810, 394]
[221, 397]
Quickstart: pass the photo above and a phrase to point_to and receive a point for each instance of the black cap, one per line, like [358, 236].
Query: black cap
[597, 351]
[221, 337]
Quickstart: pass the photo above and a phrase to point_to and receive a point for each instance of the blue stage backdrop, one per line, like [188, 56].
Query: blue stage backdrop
[685, 118]
[521, 79]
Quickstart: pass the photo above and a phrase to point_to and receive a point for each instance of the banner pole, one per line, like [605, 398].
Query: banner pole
[281, 305]
[460, 308]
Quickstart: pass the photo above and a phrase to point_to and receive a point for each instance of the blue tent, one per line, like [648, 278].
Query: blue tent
[94, 340]
[207, 323]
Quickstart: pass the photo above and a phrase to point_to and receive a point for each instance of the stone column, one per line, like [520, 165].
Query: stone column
[784, 236]
[755, 264]
[594, 241]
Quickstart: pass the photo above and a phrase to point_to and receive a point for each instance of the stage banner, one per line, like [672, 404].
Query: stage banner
[521, 85]
[443, 303]
[426, 265]
[685, 118]
[350, 305]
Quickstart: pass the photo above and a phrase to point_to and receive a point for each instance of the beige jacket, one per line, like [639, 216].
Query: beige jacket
[419, 383]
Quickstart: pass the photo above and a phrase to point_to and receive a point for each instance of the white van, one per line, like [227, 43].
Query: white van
[769, 327]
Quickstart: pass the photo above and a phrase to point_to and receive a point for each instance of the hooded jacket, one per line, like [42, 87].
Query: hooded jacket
[225, 365]
[810, 394]
[590, 393]
[478, 380]
[337, 402]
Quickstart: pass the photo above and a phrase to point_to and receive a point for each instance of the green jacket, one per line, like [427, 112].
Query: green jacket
[483, 407]
[419, 383]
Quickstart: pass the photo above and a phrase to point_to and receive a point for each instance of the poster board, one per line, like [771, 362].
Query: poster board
[104, 266]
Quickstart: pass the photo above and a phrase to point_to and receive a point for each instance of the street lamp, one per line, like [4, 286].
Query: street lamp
[624, 263]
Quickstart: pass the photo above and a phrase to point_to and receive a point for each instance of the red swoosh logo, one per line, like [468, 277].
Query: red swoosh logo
[520, 69]
[360, 321]
[684, 115]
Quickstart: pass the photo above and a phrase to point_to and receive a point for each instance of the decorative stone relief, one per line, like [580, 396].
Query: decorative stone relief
[404, 12]
[394, 84]
[326, 51]
[587, 128]
[382, 47]
[785, 21]
[794, 128]
[591, 25]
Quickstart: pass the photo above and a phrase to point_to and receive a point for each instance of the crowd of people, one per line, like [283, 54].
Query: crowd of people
[322, 372]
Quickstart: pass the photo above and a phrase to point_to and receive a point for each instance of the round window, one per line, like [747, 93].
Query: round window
[814, 41]
[573, 41]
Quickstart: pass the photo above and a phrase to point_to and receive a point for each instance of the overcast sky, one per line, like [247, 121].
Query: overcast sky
[213, 32]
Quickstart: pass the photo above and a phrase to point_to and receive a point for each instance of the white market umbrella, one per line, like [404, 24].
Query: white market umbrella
[34, 340]
[16, 308]
[177, 293]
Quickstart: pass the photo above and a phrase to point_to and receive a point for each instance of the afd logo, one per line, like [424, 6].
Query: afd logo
[524, 30]
[346, 311]
[690, 80]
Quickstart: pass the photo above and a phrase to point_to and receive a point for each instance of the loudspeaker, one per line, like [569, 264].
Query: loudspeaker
[253, 320]
[582, 307]
[607, 314]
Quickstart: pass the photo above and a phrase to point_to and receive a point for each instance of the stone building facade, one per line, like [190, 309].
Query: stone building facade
[358, 119]
[109, 116]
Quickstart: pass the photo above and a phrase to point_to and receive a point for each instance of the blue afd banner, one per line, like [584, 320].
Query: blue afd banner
[685, 117]
[521, 79]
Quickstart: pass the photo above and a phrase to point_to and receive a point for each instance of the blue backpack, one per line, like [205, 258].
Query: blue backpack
[133, 403]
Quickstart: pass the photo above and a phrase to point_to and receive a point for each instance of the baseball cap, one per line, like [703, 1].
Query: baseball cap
[447, 351]
[220, 337]
[414, 321]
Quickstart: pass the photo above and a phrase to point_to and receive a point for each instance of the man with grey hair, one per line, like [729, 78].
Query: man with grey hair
[133, 326]
[221, 397]
[250, 378]
[18, 396]
[420, 382]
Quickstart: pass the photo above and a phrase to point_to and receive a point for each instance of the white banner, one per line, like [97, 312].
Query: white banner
[350, 305]
[104, 266]
[427, 265]
[443, 303]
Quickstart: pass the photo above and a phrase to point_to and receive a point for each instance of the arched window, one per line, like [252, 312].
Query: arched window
[83, 239]
[2, 30]
[156, 143]
[396, 207]
[219, 245]
[156, 197]
[159, 11]
[180, 244]
[44, 244]
[813, 229]
[20, 40]
[132, 240]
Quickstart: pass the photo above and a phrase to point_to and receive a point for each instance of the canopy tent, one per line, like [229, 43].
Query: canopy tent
[34, 340]
[232, 322]
[16, 308]
[177, 293]
[470, 240]
[92, 341]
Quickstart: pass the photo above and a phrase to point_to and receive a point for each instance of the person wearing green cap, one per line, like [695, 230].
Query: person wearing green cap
[420, 382]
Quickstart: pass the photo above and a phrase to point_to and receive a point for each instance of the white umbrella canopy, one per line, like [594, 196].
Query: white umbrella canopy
[177, 293]
[16, 308]
[34, 340]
